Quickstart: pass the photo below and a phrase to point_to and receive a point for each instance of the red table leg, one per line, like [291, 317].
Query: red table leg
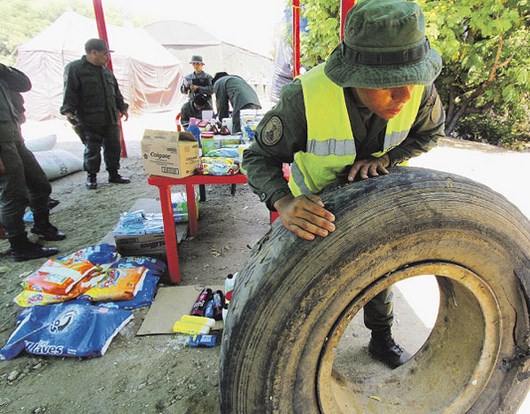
[192, 210]
[170, 234]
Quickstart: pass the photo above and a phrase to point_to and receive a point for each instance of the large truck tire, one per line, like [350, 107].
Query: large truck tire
[293, 300]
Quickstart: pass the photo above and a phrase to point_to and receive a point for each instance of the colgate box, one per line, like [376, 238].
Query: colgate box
[169, 153]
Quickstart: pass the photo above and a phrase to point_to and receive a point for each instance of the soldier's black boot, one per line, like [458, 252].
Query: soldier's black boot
[22, 249]
[383, 348]
[44, 228]
[116, 178]
[91, 181]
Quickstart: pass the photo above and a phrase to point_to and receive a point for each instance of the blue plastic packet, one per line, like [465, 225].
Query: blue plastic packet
[155, 266]
[99, 254]
[71, 329]
[28, 217]
[202, 340]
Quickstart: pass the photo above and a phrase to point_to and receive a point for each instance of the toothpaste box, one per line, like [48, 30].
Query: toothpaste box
[169, 153]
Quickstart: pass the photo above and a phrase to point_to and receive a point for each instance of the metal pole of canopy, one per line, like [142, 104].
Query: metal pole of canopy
[296, 38]
[345, 5]
[102, 31]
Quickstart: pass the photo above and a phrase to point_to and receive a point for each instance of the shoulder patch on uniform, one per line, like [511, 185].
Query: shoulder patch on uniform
[437, 111]
[272, 131]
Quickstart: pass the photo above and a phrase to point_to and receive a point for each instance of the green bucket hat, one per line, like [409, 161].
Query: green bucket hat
[196, 59]
[384, 47]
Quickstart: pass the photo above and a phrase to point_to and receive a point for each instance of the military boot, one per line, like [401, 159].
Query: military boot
[22, 249]
[116, 178]
[91, 181]
[383, 348]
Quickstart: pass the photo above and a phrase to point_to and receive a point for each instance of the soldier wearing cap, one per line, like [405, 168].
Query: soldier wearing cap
[93, 103]
[370, 106]
[197, 82]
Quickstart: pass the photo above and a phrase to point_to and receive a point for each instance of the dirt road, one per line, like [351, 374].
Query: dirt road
[159, 374]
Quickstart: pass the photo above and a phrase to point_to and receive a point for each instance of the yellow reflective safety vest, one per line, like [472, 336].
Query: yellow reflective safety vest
[330, 142]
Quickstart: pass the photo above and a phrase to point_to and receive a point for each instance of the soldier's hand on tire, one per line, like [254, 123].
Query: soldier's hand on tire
[369, 167]
[305, 216]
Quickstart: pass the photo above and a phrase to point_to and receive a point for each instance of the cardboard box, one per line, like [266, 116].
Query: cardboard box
[141, 244]
[169, 153]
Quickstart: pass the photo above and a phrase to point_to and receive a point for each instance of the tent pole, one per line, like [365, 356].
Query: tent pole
[296, 38]
[102, 31]
[345, 5]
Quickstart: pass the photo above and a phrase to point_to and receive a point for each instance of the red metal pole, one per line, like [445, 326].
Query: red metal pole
[102, 31]
[345, 5]
[296, 38]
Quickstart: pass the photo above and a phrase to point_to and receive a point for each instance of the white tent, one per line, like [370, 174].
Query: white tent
[149, 76]
[184, 40]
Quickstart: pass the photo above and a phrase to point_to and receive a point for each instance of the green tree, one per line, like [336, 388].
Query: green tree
[484, 46]
[323, 34]
[24, 19]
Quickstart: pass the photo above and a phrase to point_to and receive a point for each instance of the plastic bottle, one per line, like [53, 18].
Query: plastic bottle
[200, 305]
[207, 142]
[225, 312]
[190, 328]
[218, 304]
[198, 320]
[229, 286]
[208, 310]
[194, 129]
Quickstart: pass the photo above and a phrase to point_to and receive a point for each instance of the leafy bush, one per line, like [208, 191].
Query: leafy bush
[495, 130]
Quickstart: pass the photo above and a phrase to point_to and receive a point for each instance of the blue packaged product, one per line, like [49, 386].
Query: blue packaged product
[28, 217]
[202, 340]
[194, 129]
[156, 266]
[208, 311]
[98, 254]
[72, 329]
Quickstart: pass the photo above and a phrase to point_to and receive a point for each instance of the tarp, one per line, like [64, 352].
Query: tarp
[148, 75]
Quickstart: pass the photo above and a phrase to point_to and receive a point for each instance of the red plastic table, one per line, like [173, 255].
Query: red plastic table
[170, 234]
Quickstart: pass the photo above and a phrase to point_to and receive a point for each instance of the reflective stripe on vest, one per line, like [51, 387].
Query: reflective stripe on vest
[330, 142]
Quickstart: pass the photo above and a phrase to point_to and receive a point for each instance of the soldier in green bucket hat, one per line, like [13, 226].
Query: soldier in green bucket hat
[370, 106]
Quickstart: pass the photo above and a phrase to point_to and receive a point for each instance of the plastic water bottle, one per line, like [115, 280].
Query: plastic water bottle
[194, 129]
[225, 312]
[229, 286]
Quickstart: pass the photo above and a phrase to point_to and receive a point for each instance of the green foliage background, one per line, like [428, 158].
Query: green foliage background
[485, 83]
[23, 19]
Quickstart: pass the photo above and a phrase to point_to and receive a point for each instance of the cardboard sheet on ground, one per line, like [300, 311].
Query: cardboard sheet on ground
[169, 305]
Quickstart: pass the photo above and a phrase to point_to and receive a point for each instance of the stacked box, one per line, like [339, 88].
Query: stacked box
[141, 233]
